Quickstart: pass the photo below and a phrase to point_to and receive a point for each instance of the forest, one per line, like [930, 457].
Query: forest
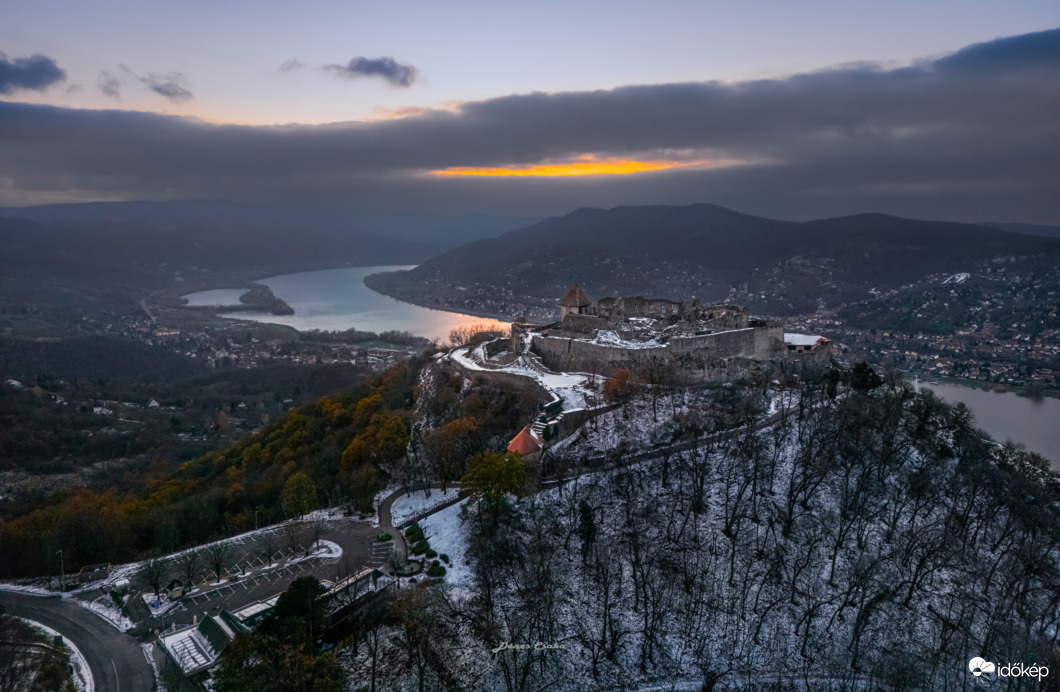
[840, 532]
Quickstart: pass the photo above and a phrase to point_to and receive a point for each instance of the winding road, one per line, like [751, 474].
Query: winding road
[116, 660]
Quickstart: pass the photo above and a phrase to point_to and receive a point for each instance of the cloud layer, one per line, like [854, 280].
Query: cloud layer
[37, 72]
[387, 69]
[970, 136]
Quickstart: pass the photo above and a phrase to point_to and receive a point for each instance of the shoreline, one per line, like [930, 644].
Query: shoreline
[992, 387]
[437, 306]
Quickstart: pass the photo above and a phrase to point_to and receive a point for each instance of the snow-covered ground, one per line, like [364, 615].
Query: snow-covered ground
[408, 506]
[108, 610]
[325, 550]
[149, 654]
[82, 675]
[576, 389]
[159, 606]
[447, 534]
[23, 588]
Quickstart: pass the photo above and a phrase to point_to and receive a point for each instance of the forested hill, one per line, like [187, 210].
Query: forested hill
[836, 531]
[296, 464]
[103, 242]
[710, 252]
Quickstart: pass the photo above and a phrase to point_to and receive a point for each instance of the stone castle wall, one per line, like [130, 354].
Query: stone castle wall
[695, 353]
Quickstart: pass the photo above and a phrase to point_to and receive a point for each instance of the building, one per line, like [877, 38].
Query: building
[704, 342]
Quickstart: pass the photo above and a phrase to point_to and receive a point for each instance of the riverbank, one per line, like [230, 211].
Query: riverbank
[993, 387]
[380, 284]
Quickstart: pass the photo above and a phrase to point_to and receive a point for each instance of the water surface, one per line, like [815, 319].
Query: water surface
[337, 299]
[1034, 423]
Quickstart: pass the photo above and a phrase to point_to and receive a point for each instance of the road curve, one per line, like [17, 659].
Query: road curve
[116, 660]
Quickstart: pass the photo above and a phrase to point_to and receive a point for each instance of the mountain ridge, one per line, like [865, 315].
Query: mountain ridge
[705, 251]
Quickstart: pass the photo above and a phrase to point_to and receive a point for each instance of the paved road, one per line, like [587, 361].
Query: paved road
[116, 660]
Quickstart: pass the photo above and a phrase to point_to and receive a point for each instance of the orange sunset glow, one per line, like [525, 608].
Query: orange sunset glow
[609, 166]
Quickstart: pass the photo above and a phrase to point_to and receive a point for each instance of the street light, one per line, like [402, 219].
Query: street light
[62, 571]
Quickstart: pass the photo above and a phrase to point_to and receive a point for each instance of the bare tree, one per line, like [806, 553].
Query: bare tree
[291, 533]
[189, 567]
[154, 572]
[316, 530]
[268, 546]
[217, 556]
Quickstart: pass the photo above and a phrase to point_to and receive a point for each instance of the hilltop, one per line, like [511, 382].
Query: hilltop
[703, 250]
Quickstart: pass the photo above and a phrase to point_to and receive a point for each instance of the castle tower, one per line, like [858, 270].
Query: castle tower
[574, 303]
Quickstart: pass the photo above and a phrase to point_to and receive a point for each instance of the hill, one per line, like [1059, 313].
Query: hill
[703, 250]
[141, 238]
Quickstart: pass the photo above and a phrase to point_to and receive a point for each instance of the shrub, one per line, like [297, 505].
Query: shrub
[445, 558]
[420, 547]
[436, 570]
[414, 533]
[431, 553]
[383, 538]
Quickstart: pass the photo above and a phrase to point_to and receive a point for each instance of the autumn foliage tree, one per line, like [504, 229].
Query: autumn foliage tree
[490, 478]
[620, 386]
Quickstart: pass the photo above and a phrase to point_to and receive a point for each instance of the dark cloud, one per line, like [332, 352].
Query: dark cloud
[292, 65]
[37, 72]
[959, 137]
[1005, 54]
[172, 86]
[387, 69]
[109, 84]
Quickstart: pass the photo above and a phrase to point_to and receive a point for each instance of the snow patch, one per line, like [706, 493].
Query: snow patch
[420, 502]
[447, 534]
[80, 672]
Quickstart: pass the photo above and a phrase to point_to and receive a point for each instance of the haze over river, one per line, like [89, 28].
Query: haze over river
[1035, 423]
[337, 299]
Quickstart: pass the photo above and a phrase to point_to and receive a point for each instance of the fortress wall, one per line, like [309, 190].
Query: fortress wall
[769, 340]
[495, 346]
[731, 344]
[583, 323]
[541, 395]
[562, 354]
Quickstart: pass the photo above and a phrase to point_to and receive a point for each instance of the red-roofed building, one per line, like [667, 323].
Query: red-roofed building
[527, 444]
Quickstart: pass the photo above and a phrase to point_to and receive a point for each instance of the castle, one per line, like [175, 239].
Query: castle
[704, 342]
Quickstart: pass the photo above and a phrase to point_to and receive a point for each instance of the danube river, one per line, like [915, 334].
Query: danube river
[337, 299]
[1034, 423]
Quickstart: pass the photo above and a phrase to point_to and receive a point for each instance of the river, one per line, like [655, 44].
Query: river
[337, 299]
[1034, 423]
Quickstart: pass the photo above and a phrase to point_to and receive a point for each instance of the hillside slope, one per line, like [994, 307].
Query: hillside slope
[706, 251]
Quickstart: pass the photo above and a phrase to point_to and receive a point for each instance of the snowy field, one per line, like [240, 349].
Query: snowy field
[408, 506]
[447, 534]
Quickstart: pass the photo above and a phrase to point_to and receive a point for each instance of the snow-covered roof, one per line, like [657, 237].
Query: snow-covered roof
[190, 649]
[803, 339]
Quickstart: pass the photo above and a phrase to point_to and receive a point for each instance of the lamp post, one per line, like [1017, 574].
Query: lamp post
[62, 571]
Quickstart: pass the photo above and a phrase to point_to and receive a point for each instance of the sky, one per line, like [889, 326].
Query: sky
[938, 109]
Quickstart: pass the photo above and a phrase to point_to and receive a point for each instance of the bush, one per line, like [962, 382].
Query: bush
[420, 547]
[431, 553]
[436, 570]
[414, 533]
[445, 558]
[383, 538]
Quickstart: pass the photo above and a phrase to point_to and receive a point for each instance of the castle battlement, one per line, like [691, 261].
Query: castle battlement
[704, 341]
